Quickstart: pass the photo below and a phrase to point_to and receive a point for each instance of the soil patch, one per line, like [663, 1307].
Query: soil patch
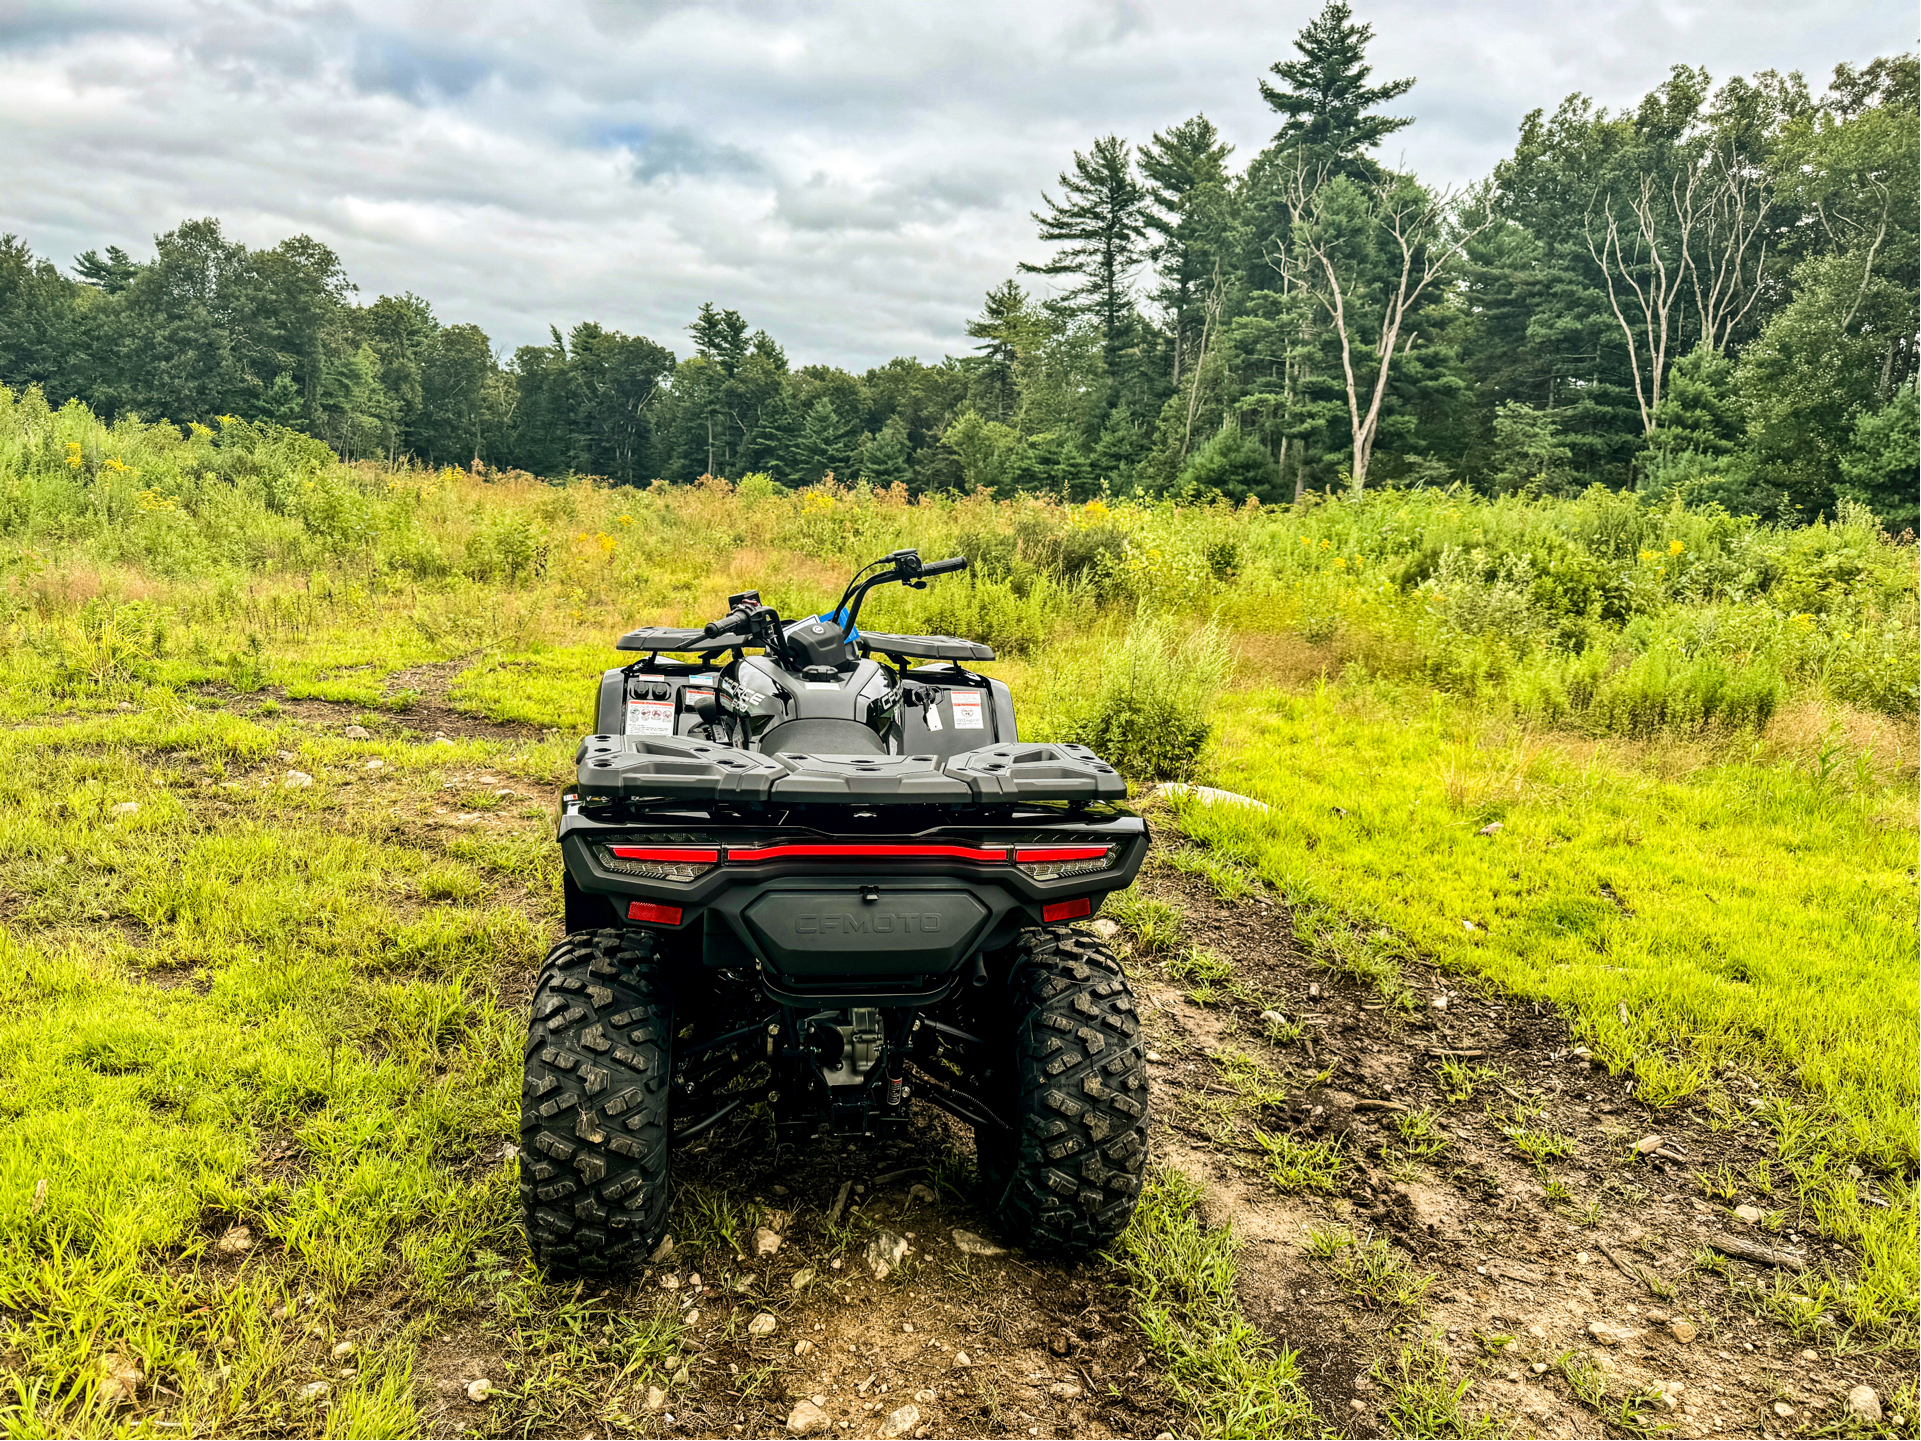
[1521, 1263]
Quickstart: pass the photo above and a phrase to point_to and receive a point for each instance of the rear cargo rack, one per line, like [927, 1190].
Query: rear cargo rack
[635, 768]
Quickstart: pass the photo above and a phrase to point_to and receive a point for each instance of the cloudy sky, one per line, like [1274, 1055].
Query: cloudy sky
[852, 176]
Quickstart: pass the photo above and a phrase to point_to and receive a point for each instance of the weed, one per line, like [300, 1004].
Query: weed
[1229, 881]
[1301, 1165]
[1460, 1079]
[1421, 1133]
[1370, 1272]
[1156, 925]
[1182, 1277]
[1721, 1186]
[1198, 963]
[1423, 1400]
[1538, 1144]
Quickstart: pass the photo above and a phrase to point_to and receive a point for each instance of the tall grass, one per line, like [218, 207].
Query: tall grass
[1601, 613]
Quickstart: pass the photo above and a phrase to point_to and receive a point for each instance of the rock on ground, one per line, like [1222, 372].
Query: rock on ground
[236, 1242]
[761, 1325]
[969, 1244]
[807, 1419]
[884, 1253]
[1864, 1403]
[766, 1241]
[900, 1422]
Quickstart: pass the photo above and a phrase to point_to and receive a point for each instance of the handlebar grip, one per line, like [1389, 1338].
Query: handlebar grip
[725, 624]
[942, 567]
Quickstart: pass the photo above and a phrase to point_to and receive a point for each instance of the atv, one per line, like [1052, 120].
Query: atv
[806, 885]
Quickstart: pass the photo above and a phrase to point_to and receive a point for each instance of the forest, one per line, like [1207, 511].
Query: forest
[1711, 295]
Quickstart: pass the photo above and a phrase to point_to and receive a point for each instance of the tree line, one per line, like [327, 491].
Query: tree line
[1712, 294]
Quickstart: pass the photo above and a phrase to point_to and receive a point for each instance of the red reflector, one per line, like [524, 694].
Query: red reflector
[1066, 910]
[659, 915]
[656, 853]
[1059, 853]
[867, 853]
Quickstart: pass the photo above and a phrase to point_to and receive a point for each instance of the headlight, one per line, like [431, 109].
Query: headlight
[1057, 863]
[660, 862]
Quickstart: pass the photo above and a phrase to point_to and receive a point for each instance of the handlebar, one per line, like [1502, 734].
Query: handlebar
[942, 567]
[734, 620]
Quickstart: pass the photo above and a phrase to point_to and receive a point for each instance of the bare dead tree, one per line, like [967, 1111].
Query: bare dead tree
[1210, 326]
[1650, 269]
[1423, 239]
[1727, 266]
[1703, 237]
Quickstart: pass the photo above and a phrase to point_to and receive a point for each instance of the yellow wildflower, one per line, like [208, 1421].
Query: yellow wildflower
[1675, 547]
[1341, 561]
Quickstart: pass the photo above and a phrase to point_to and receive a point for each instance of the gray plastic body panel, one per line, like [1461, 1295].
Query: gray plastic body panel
[834, 930]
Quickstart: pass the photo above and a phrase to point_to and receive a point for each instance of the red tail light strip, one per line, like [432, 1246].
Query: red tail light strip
[1026, 854]
[657, 853]
[659, 915]
[1066, 910]
[869, 853]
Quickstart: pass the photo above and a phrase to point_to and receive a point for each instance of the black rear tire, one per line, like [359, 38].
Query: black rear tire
[593, 1111]
[1068, 1178]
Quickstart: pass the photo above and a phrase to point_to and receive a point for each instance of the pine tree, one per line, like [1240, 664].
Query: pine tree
[885, 458]
[721, 336]
[1326, 98]
[1099, 225]
[826, 444]
[1191, 210]
[999, 329]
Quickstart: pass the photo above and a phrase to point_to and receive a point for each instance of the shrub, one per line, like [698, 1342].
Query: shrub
[1149, 715]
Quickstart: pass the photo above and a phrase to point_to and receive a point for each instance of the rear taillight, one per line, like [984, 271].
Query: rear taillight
[660, 863]
[1056, 863]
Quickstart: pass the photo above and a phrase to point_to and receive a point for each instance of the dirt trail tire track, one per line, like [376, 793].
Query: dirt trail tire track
[1503, 1259]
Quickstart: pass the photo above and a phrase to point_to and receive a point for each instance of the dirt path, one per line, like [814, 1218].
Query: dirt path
[1531, 1299]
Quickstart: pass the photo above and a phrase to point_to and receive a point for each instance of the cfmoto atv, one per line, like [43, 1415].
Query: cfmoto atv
[812, 873]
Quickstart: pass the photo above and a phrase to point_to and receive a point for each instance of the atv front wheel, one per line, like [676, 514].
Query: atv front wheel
[593, 1111]
[1069, 1175]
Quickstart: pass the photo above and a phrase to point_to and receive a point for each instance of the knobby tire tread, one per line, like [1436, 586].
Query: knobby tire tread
[594, 1097]
[1073, 1174]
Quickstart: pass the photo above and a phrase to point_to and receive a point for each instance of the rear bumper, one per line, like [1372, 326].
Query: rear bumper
[827, 900]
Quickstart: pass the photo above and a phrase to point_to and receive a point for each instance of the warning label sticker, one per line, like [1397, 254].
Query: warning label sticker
[650, 717]
[967, 710]
[933, 717]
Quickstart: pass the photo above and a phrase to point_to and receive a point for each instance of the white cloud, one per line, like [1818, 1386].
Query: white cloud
[851, 176]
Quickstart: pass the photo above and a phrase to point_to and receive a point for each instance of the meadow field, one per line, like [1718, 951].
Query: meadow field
[1648, 769]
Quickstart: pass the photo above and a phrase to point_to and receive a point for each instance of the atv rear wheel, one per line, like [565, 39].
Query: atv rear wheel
[593, 1111]
[1068, 1177]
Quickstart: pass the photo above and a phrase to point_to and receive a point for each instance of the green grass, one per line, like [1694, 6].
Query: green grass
[1771, 925]
[1369, 1271]
[290, 1008]
[1301, 1165]
[1424, 1399]
[1234, 1380]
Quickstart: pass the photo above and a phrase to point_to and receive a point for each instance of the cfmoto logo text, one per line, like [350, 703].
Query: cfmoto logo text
[874, 923]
